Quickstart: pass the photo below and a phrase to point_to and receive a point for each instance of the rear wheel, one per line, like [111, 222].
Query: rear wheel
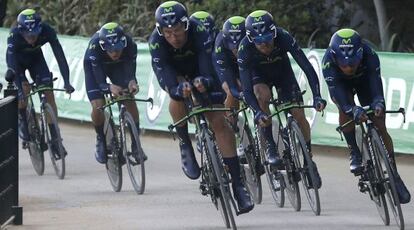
[249, 168]
[113, 164]
[134, 154]
[35, 143]
[305, 166]
[54, 142]
[386, 172]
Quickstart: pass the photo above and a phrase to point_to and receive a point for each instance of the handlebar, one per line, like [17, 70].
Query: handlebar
[369, 111]
[196, 111]
[127, 97]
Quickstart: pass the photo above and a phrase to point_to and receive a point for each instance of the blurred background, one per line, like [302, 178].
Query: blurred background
[387, 25]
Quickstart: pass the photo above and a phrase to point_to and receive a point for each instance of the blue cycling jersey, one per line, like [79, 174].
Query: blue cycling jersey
[225, 64]
[188, 62]
[22, 56]
[98, 65]
[275, 67]
[366, 81]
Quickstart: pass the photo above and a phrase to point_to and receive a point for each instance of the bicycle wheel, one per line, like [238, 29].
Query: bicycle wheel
[305, 166]
[372, 177]
[250, 174]
[387, 178]
[274, 178]
[134, 154]
[222, 181]
[113, 165]
[57, 158]
[35, 143]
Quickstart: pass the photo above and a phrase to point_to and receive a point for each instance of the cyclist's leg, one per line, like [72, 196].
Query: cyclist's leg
[227, 145]
[97, 100]
[25, 88]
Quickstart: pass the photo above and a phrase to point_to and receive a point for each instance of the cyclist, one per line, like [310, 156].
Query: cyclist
[351, 67]
[181, 55]
[24, 53]
[111, 53]
[225, 59]
[207, 20]
[264, 63]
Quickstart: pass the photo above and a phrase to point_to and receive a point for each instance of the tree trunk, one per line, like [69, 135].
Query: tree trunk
[382, 23]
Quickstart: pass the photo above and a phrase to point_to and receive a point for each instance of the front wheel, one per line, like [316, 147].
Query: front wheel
[252, 158]
[54, 141]
[222, 181]
[113, 164]
[387, 175]
[274, 178]
[305, 167]
[35, 143]
[134, 154]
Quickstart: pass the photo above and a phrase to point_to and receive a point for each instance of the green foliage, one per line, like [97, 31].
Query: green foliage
[83, 17]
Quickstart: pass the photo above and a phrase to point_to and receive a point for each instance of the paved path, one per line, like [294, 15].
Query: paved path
[84, 199]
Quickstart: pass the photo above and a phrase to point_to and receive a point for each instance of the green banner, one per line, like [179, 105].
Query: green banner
[398, 81]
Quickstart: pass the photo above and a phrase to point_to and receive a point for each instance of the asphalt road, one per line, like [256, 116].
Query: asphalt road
[84, 199]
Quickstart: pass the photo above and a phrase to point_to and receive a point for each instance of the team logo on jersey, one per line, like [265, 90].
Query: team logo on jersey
[154, 46]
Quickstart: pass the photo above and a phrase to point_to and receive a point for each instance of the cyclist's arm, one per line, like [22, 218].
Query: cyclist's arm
[165, 72]
[297, 53]
[11, 57]
[223, 69]
[130, 64]
[336, 88]
[204, 49]
[374, 76]
[245, 71]
[93, 57]
[58, 52]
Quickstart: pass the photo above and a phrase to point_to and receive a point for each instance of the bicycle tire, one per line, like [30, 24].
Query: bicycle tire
[34, 145]
[220, 172]
[113, 166]
[134, 159]
[372, 177]
[304, 165]
[58, 162]
[249, 173]
[274, 179]
[387, 176]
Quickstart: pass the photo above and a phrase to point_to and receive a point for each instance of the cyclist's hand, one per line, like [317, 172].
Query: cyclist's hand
[359, 114]
[319, 103]
[184, 89]
[115, 90]
[379, 108]
[133, 87]
[261, 118]
[69, 88]
[201, 84]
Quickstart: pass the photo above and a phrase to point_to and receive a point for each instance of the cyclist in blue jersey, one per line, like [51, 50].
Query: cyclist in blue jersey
[111, 54]
[207, 20]
[24, 53]
[181, 60]
[351, 67]
[225, 59]
[264, 63]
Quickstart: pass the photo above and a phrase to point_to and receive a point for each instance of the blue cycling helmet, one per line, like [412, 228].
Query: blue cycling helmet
[169, 13]
[234, 31]
[29, 22]
[260, 27]
[346, 46]
[112, 37]
[207, 20]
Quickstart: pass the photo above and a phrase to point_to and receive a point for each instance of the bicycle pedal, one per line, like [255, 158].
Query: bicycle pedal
[363, 187]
